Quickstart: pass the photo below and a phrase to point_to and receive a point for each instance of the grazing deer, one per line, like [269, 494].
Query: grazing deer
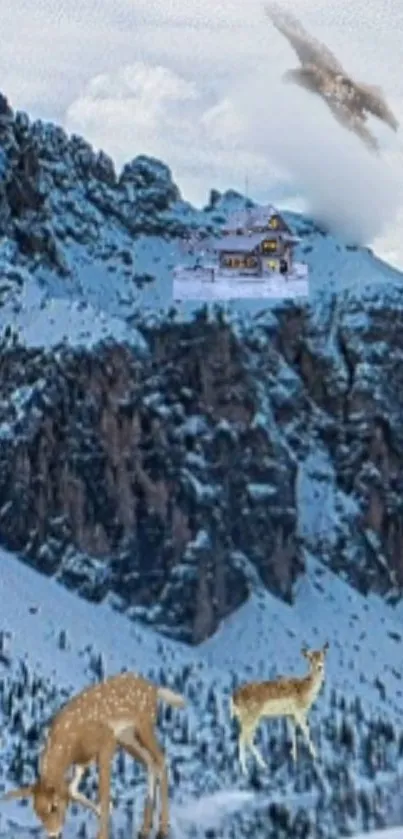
[119, 712]
[283, 697]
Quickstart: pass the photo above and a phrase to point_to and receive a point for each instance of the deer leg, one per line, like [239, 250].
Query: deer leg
[130, 744]
[303, 724]
[250, 733]
[293, 738]
[246, 740]
[242, 750]
[104, 764]
[77, 796]
[150, 744]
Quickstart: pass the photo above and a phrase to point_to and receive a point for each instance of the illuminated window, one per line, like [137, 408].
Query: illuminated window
[269, 245]
[274, 222]
[273, 264]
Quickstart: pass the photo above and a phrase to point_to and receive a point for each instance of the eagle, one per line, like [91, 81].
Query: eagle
[349, 101]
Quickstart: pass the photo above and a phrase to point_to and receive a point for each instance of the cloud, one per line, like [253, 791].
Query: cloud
[69, 44]
[153, 110]
[131, 108]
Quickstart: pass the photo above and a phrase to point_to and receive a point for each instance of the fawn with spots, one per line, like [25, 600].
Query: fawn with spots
[283, 697]
[119, 712]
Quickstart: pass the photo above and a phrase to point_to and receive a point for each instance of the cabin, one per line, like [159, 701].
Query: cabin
[257, 243]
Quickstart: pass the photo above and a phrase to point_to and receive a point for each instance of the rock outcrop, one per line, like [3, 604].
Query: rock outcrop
[55, 189]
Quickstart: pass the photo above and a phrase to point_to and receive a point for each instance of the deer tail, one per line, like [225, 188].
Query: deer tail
[171, 698]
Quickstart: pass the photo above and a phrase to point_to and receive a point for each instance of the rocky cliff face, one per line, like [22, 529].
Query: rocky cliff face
[171, 480]
[349, 368]
[149, 478]
[175, 476]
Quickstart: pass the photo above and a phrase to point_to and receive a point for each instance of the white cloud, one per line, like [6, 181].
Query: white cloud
[152, 110]
[223, 123]
[136, 97]
[130, 111]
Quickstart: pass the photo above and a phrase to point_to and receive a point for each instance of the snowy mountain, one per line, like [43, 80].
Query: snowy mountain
[223, 477]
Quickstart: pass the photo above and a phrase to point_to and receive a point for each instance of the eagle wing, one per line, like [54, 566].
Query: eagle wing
[373, 100]
[309, 50]
[350, 120]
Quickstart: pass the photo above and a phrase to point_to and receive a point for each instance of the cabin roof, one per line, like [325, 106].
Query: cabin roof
[249, 241]
[254, 217]
[240, 242]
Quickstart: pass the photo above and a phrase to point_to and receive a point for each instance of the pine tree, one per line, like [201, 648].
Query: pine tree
[97, 666]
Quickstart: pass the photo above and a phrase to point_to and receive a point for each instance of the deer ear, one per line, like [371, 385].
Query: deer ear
[21, 792]
[305, 651]
[325, 646]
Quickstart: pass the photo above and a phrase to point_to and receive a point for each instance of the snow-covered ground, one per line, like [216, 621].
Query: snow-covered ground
[63, 642]
[223, 288]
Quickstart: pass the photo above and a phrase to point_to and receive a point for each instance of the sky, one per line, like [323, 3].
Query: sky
[198, 85]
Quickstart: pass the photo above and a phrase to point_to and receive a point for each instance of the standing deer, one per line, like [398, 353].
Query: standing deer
[119, 712]
[284, 697]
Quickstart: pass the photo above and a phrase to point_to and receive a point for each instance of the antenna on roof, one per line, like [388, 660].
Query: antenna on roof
[247, 208]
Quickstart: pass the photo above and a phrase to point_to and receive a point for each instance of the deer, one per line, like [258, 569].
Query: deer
[290, 697]
[118, 712]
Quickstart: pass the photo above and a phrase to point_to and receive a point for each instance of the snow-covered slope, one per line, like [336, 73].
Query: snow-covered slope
[52, 644]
